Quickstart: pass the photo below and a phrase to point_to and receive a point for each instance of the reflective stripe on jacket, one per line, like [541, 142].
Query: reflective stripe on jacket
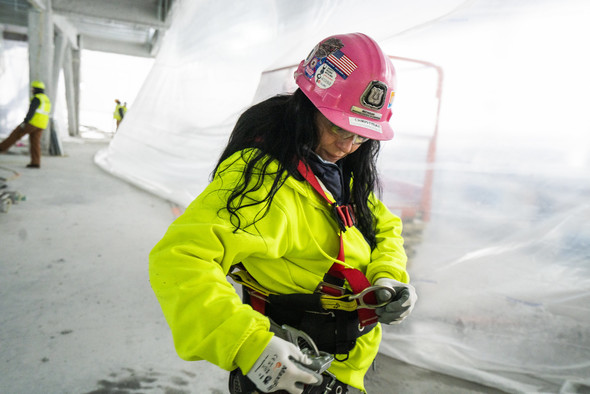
[287, 251]
[41, 117]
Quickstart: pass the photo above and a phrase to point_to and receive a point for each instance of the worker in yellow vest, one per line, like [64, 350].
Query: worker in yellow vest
[119, 112]
[34, 123]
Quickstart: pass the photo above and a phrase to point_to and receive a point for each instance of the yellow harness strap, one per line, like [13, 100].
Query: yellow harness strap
[328, 302]
[245, 279]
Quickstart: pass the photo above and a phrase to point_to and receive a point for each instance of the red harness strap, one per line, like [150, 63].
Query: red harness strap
[257, 301]
[355, 278]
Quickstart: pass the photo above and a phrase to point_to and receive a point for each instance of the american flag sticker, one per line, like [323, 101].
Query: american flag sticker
[341, 63]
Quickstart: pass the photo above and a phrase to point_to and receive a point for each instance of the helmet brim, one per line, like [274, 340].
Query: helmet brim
[369, 128]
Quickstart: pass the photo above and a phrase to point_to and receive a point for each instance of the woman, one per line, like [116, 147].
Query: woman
[291, 202]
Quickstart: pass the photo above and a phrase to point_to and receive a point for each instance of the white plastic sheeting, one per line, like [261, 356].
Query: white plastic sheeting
[15, 91]
[14, 85]
[104, 78]
[208, 70]
[495, 198]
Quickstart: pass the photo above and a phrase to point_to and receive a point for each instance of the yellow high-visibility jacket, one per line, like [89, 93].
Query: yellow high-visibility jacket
[41, 117]
[287, 251]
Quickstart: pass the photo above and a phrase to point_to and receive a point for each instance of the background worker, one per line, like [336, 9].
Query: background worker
[119, 113]
[35, 122]
[292, 204]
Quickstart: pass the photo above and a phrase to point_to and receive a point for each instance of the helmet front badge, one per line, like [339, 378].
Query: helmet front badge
[374, 95]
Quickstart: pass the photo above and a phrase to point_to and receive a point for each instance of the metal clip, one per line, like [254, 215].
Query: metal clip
[330, 289]
[371, 289]
[320, 361]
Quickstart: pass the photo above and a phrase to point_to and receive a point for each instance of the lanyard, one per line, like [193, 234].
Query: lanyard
[355, 278]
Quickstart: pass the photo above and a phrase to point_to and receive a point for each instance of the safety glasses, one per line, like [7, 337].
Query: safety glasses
[345, 135]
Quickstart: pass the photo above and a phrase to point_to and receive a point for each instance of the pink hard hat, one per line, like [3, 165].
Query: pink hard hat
[352, 83]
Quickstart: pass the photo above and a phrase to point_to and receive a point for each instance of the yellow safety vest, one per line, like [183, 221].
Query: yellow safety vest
[41, 117]
[116, 114]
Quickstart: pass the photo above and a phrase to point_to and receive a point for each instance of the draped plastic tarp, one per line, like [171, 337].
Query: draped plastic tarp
[14, 91]
[493, 190]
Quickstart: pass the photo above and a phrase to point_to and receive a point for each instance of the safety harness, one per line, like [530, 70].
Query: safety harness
[332, 316]
[355, 278]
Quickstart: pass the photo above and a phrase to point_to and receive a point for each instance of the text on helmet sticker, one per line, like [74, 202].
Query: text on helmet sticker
[325, 76]
[374, 95]
[367, 124]
[365, 112]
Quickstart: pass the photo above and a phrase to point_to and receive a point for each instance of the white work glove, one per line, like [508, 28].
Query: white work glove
[401, 305]
[282, 366]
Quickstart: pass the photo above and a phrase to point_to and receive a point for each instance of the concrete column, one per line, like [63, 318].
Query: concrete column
[40, 32]
[67, 58]
[75, 62]
[60, 48]
[61, 45]
[71, 96]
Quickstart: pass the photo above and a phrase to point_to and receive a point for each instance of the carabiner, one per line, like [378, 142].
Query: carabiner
[363, 304]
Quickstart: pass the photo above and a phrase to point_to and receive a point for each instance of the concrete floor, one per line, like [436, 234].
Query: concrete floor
[78, 314]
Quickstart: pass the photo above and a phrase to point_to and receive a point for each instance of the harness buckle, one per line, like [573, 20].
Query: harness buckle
[330, 289]
[330, 384]
[344, 216]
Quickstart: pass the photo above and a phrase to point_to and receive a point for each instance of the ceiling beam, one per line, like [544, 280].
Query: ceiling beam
[68, 30]
[117, 21]
[40, 5]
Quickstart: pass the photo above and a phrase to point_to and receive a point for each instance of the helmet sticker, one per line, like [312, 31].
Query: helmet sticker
[374, 95]
[367, 124]
[391, 100]
[366, 112]
[310, 56]
[329, 46]
[318, 56]
[341, 63]
[325, 76]
[311, 67]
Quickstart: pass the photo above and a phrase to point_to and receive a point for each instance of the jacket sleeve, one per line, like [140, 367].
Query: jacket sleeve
[35, 102]
[188, 269]
[388, 259]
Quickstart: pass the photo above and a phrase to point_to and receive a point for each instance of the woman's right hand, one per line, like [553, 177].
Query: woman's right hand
[400, 307]
[282, 366]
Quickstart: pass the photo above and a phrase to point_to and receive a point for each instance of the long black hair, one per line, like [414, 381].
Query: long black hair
[283, 128]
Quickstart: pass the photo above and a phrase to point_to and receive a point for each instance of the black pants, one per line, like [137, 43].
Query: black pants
[240, 384]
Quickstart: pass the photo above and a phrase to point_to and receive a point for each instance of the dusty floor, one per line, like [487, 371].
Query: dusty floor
[77, 312]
